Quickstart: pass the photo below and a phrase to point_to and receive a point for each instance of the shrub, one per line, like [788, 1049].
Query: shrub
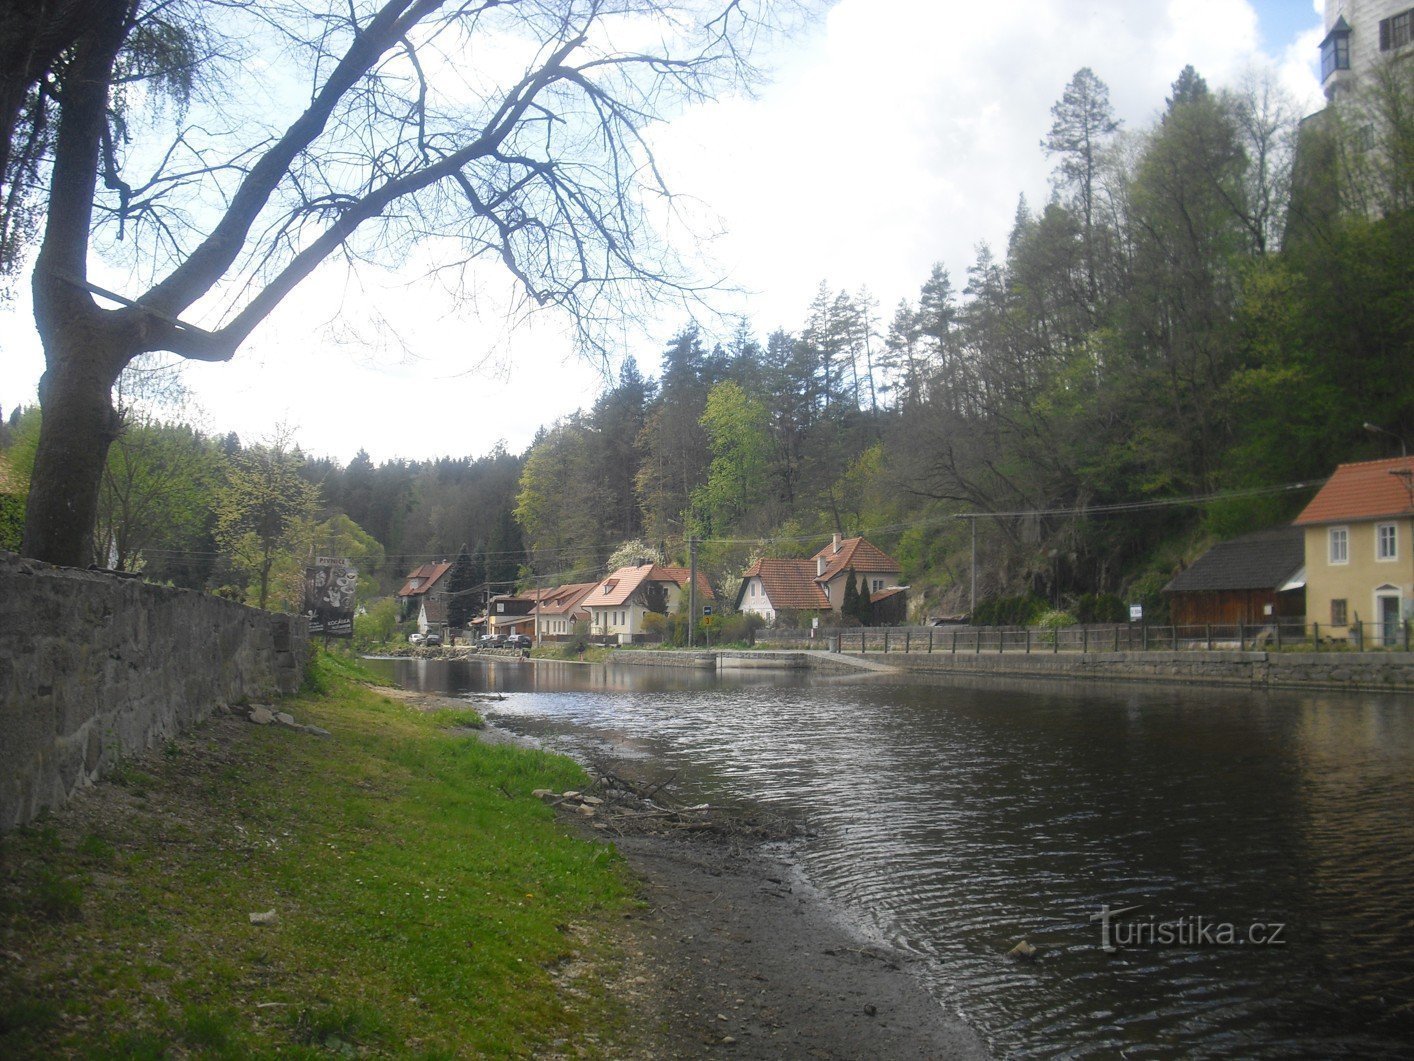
[1101, 608]
[1009, 611]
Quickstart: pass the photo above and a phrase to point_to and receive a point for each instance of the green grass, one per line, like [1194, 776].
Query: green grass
[425, 899]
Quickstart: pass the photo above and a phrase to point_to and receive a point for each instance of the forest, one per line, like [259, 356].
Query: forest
[1175, 348]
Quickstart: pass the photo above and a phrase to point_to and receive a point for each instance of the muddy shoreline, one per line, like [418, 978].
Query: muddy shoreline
[734, 953]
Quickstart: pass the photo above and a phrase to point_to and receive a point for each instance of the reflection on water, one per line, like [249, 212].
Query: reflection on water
[956, 819]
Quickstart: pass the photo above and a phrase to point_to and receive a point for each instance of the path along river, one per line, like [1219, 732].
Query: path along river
[953, 820]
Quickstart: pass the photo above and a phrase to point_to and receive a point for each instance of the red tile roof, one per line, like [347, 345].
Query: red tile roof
[625, 582]
[564, 600]
[1364, 490]
[875, 598]
[858, 553]
[681, 575]
[789, 583]
[429, 573]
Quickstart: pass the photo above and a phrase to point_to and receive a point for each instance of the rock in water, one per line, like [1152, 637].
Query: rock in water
[1023, 951]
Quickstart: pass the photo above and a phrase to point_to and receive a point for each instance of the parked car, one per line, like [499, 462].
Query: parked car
[490, 641]
[517, 641]
[432, 638]
[415, 639]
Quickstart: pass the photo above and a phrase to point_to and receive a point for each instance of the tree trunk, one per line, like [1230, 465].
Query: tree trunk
[78, 426]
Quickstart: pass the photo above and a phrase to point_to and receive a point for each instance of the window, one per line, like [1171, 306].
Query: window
[1335, 54]
[1340, 545]
[1386, 541]
[753, 587]
[1338, 613]
[878, 584]
[1397, 30]
[500, 608]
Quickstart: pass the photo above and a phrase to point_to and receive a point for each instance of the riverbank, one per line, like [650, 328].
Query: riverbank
[1390, 671]
[395, 887]
[388, 886]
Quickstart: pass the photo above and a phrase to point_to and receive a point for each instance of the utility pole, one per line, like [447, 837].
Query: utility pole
[692, 592]
[972, 594]
[535, 623]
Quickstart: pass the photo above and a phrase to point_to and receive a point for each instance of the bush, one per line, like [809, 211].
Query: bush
[655, 626]
[578, 640]
[1009, 611]
[737, 629]
[1101, 608]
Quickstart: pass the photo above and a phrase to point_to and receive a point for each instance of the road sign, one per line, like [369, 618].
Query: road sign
[1136, 613]
[706, 609]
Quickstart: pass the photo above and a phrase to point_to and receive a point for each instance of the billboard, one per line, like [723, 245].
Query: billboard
[329, 588]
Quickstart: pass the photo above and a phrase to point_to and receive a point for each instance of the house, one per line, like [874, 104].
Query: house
[619, 604]
[1359, 548]
[773, 584]
[1359, 35]
[513, 613]
[431, 615]
[561, 608]
[1253, 579]
[424, 582]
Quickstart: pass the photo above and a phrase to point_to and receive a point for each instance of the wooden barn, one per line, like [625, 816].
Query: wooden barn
[1252, 579]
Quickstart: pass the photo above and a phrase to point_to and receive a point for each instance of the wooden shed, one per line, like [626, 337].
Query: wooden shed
[1252, 579]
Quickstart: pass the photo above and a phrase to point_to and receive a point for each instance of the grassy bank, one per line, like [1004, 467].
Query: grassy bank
[426, 904]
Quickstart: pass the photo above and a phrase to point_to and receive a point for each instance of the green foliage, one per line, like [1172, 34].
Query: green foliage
[264, 514]
[12, 521]
[376, 624]
[1101, 608]
[1009, 611]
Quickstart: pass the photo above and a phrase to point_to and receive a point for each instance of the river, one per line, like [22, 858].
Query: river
[954, 819]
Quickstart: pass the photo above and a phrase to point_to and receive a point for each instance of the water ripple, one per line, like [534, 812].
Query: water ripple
[955, 820]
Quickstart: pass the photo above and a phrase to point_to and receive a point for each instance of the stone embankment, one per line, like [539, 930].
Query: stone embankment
[94, 666]
[1352, 671]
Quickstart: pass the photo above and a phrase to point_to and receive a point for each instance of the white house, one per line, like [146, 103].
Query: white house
[777, 584]
[1360, 34]
[619, 605]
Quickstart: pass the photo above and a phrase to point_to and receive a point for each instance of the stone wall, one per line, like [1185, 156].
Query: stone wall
[1354, 671]
[94, 666]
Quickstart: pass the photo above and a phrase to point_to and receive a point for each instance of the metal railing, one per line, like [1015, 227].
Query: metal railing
[1271, 636]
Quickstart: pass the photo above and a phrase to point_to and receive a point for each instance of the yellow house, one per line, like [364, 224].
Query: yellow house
[1360, 550]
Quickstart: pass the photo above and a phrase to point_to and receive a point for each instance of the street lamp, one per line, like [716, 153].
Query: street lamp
[1375, 429]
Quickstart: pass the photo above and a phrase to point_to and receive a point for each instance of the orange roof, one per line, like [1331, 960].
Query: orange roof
[789, 583]
[1363, 490]
[563, 600]
[625, 582]
[858, 553]
[429, 573]
[681, 575]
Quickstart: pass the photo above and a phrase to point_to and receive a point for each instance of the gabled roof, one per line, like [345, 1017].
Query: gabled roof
[1266, 560]
[619, 587]
[564, 600]
[1363, 490]
[429, 573]
[788, 582]
[858, 553]
[434, 610]
[682, 575]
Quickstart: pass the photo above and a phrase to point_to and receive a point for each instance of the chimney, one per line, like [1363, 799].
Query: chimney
[837, 542]
[819, 566]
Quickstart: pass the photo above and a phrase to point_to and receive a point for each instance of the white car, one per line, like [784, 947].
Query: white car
[416, 639]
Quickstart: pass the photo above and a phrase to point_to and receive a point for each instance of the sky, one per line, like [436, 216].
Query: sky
[891, 135]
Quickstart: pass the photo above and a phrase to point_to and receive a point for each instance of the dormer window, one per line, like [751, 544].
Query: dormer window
[1335, 49]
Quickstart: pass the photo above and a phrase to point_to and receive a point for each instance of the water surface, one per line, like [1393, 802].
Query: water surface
[955, 819]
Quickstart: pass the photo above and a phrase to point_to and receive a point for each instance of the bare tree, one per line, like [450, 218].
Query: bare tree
[517, 127]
